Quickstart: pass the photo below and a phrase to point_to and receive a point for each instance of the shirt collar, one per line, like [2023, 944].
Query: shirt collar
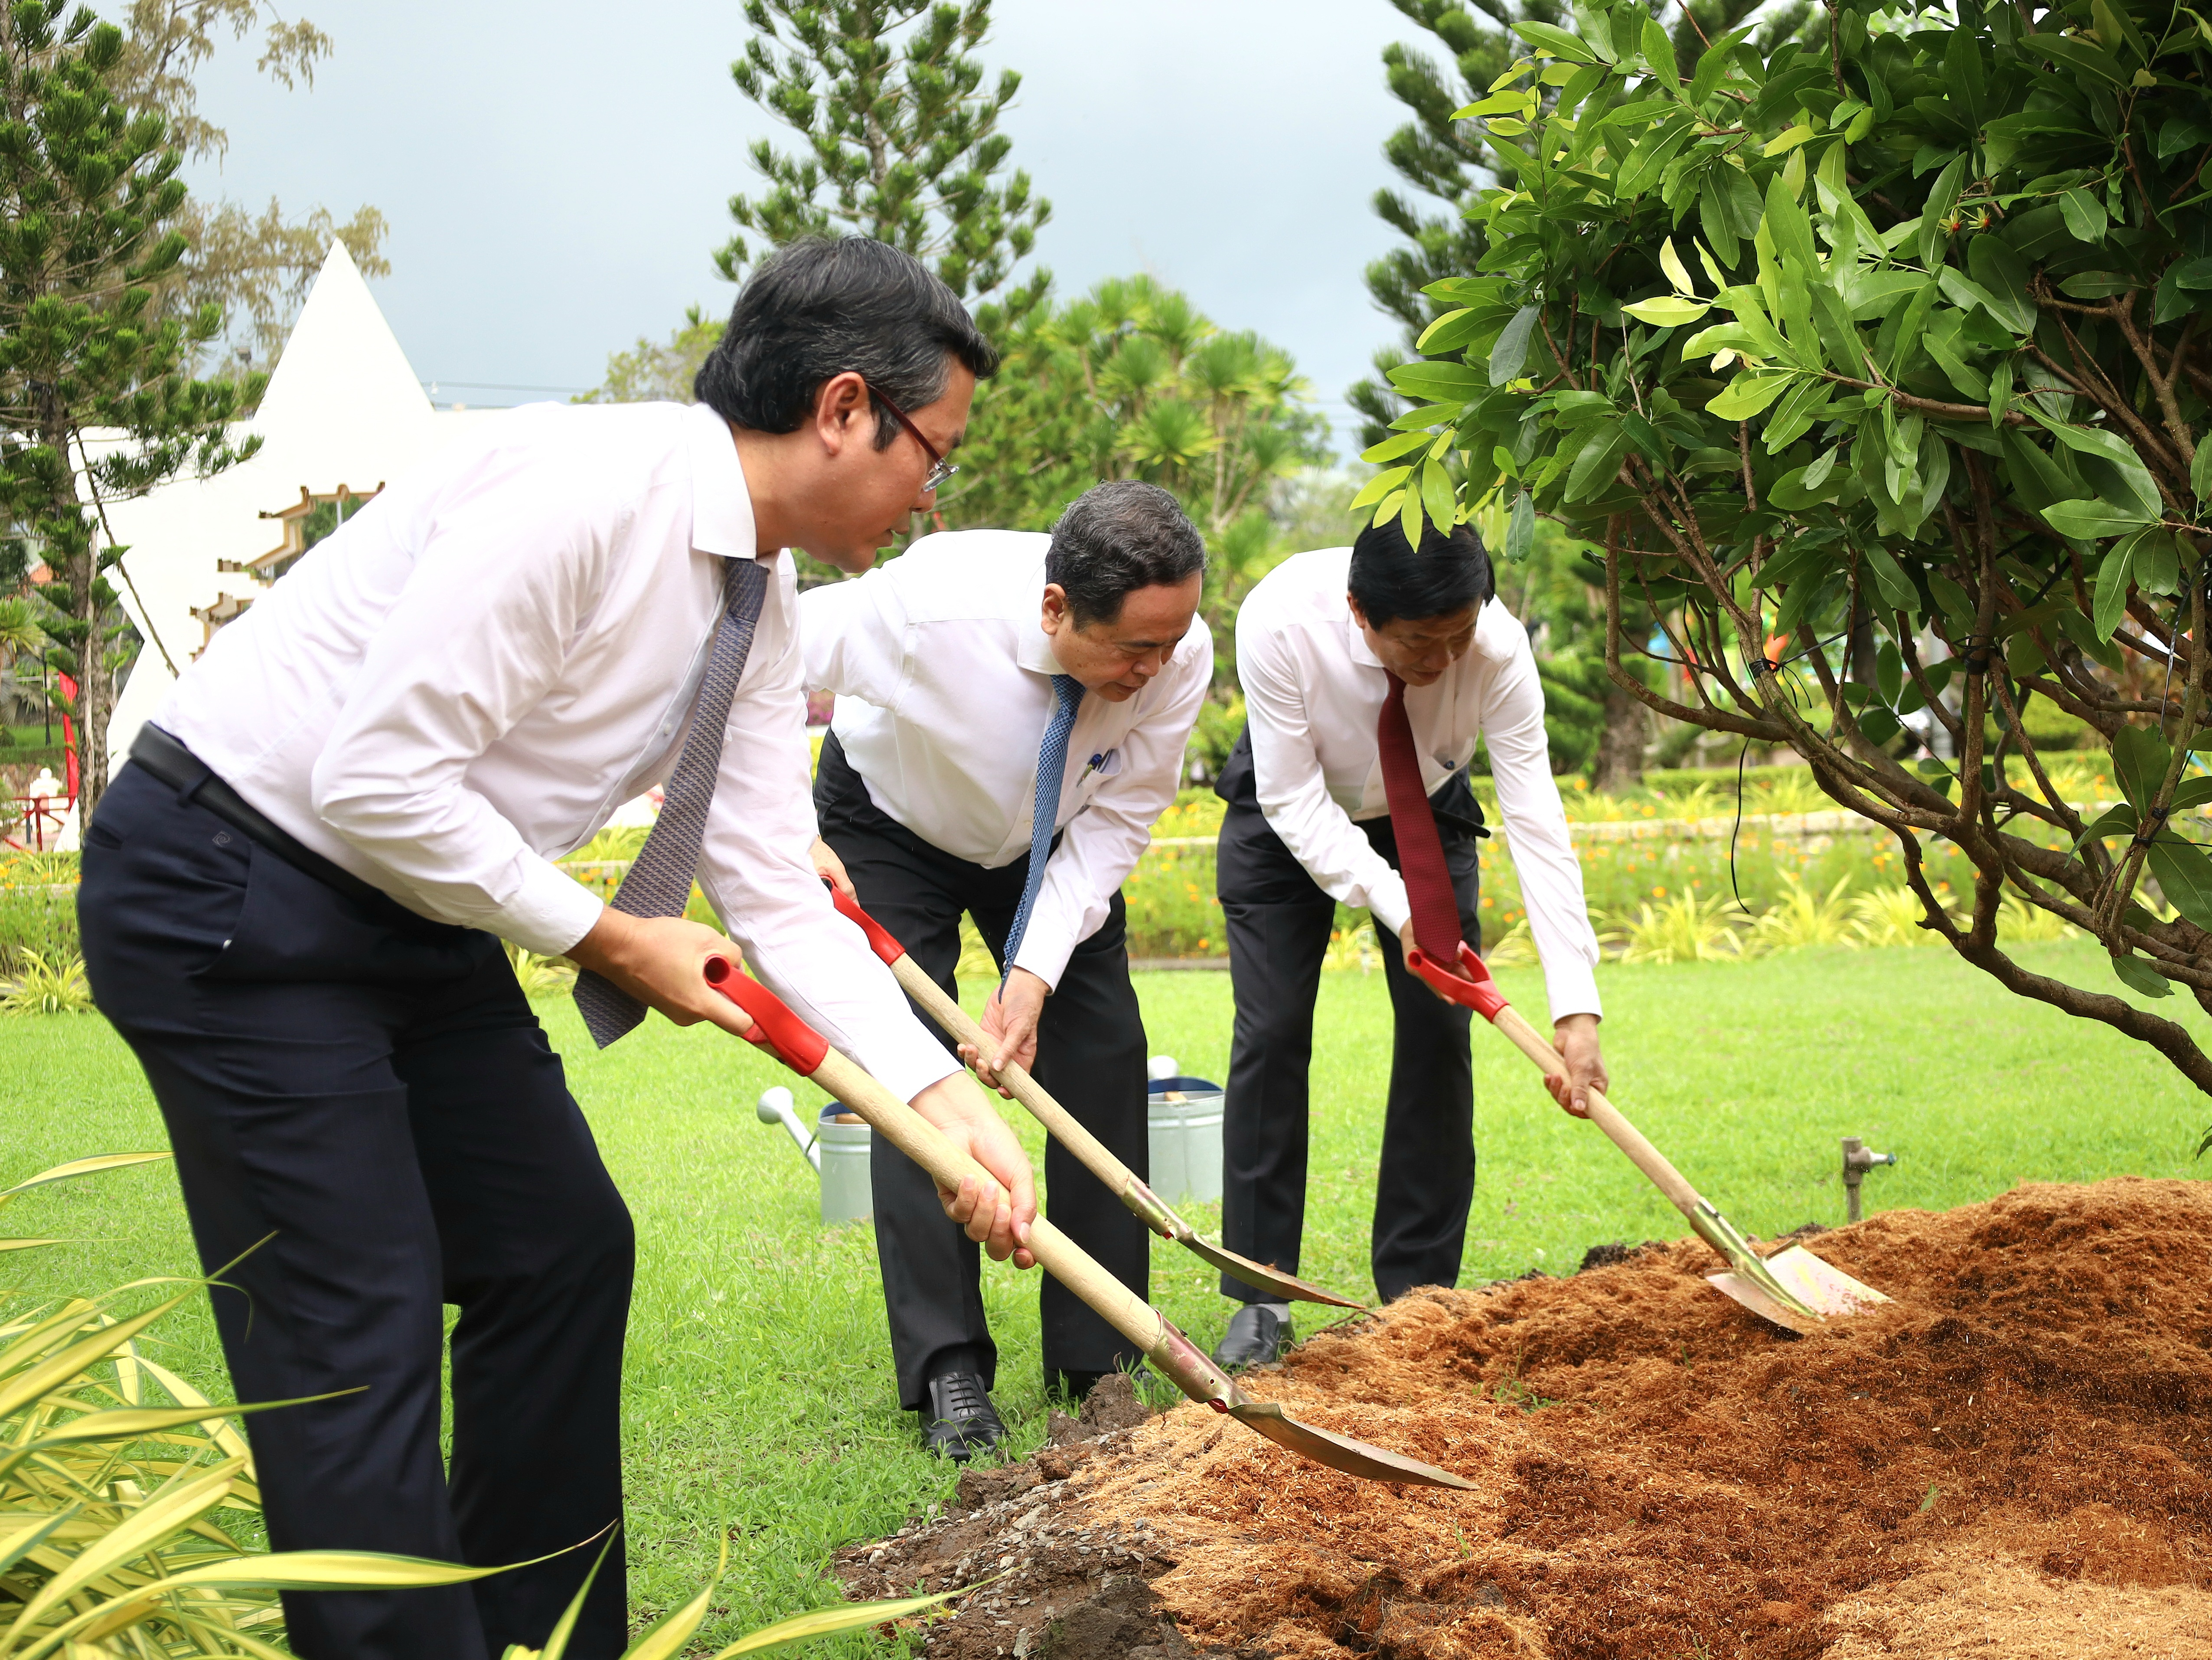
[721, 505]
[1033, 645]
[1356, 642]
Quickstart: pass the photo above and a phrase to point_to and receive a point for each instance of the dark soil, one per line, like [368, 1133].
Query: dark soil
[2010, 1459]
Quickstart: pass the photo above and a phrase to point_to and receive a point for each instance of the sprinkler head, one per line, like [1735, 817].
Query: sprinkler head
[773, 1105]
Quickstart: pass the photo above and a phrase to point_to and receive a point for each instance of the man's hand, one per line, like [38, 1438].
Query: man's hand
[1576, 1039]
[661, 961]
[1009, 1020]
[996, 1215]
[830, 869]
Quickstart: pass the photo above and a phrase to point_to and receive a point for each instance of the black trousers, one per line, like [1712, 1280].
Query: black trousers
[1091, 1056]
[1278, 922]
[370, 1093]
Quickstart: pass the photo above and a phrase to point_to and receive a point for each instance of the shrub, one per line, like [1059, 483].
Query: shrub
[42, 988]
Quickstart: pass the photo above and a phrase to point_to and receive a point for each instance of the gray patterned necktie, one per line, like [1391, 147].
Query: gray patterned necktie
[658, 882]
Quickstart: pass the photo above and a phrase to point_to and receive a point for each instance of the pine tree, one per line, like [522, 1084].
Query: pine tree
[97, 400]
[901, 142]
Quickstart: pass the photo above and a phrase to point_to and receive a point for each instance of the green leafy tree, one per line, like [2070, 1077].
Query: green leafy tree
[1897, 330]
[97, 400]
[900, 140]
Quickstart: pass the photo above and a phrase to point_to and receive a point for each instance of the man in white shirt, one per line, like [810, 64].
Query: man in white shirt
[294, 896]
[1001, 695]
[1320, 643]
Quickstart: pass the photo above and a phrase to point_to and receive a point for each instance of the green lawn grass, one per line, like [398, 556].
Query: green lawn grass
[760, 1394]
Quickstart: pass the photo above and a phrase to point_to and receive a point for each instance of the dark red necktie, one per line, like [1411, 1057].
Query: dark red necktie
[1428, 890]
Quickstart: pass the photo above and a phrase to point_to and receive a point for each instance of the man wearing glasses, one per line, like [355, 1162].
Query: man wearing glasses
[295, 898]
[1011, 713]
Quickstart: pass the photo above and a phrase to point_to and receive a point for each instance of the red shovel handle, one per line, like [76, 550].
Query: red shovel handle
[1476, 991]
[879, 938]
[774, 1028]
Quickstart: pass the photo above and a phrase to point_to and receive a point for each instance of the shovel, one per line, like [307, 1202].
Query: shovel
[1121, 1180]
[774, 1028]
[1793, 1288]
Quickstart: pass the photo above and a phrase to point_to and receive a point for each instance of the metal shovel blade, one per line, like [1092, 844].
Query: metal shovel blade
[1340, 1452]
[1289, 1287]
[1821, 1286]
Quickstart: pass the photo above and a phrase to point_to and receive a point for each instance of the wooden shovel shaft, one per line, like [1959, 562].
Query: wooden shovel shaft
[1121, 1180]
[1178, 1359]
[1602, 1113]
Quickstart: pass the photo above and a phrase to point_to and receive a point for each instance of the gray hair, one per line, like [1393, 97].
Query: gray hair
[1117, 537]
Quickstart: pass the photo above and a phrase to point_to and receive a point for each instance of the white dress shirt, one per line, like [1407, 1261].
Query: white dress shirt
[944, 683]
[464, 681]
[1314, 692]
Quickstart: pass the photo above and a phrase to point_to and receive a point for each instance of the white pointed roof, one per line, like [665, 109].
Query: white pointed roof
[343, 406]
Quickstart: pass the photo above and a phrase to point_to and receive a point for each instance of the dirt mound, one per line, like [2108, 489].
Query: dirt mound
[2010, 1458]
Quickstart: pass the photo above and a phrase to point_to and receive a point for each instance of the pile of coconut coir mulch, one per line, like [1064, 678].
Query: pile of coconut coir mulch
[2013, 1459]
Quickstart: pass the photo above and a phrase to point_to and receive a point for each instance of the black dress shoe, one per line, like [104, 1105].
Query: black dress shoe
[961, 1421]
[1258, 1334]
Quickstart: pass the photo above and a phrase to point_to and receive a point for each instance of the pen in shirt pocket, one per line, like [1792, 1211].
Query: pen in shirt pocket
[1096, 762]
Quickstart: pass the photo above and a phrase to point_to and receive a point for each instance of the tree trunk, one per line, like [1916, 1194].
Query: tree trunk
[95, 698]
[1620, 747]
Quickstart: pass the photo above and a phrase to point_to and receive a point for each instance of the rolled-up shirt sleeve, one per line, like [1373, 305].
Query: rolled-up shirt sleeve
[516, 558]
[1102, 843]
[1293, 792]
[1536, 836]
[755, 868]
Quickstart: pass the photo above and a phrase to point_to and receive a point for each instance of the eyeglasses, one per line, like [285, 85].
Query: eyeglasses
[939, 468]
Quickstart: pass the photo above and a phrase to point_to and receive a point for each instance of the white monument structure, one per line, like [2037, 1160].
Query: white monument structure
[343, 413]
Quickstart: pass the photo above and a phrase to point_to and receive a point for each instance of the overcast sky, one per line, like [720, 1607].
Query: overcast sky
[556, 186]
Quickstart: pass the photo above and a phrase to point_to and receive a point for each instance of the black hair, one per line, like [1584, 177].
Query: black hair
[817, 308]
[1391, 581]
[1115, 539]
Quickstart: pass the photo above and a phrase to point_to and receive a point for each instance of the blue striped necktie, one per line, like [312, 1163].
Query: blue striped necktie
[1052, 768]
[659, 883]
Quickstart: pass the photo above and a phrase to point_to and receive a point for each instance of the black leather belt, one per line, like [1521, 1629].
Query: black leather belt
[176, 766]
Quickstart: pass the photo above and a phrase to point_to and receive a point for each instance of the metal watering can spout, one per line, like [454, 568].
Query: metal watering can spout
[775, 1106]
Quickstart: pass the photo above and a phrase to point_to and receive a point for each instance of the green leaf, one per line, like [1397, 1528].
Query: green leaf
[1889, 576]
[1511, 351]
[1667, 312]
[2137, 974]
[1594, 468]
[2091, 520]
[1748, 394]
[2113, 822]
[2184, 876]
[75, 1167]
[1452, 329]
[1942, 199]
[2070, 52]
[1787, 224]
[2133, 476]
[1437, 499]
[2085, 216]
[2140, 758]
[1889, 672]
[1659, 52]
[1521, 529]
[1391, 448]
[2003, 277]
[2200, 474]
[1677, 273]
[2111, 600]
[1384, 482]
[1789, 139]
[1436, 383]
[1557, 41]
